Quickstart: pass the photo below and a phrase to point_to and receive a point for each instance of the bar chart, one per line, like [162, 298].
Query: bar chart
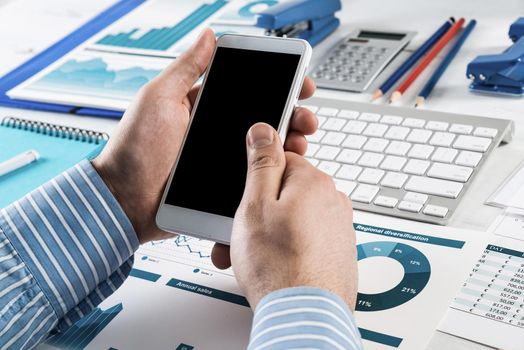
[162, 38]
[79, 335]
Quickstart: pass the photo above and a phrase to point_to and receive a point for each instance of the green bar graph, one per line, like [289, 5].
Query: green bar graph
[163, 38]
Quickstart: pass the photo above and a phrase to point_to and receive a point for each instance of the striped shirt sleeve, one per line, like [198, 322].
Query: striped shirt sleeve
[303, 318]
[64, 248]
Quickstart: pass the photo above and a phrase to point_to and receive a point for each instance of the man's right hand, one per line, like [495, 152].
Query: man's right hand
[293, 228]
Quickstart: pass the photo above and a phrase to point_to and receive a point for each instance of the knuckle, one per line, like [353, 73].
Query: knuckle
[262, 161]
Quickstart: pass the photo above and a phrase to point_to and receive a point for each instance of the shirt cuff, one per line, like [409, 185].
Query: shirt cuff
[74, 239]
[304, 317]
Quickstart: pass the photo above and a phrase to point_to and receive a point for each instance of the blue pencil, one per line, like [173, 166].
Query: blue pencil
[415, 56]
[426, 90]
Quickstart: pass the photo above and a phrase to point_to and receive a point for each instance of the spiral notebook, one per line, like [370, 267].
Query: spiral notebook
[60, 148]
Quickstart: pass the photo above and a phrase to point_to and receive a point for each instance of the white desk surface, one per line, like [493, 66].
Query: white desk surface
[29, 26]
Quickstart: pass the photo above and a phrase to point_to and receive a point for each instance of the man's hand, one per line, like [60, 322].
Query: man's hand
[139, 157]
[293, 228]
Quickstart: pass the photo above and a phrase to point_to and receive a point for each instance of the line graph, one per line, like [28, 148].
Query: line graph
[190, 251]
[184, 241]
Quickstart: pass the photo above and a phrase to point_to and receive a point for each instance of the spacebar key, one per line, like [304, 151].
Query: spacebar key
[434, 187]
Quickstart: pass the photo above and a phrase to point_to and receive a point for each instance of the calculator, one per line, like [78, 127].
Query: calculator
[358, 59]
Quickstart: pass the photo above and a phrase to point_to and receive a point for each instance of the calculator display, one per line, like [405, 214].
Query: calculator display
[381, 35]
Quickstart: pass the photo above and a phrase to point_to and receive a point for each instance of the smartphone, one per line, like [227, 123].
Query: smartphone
[250, 79]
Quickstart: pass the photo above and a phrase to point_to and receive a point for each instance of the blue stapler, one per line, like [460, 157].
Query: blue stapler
[311, 20]
[502, 73]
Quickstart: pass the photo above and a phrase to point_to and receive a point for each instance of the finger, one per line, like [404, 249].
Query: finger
[304, 121]
[193, 93]
[308, 88]
[266, 163]
[296, 143]
[182, 74]
[220, 256]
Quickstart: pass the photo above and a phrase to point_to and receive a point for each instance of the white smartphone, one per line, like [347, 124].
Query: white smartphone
[250, 79]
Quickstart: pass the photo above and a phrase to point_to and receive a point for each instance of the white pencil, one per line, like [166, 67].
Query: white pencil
[18, 162]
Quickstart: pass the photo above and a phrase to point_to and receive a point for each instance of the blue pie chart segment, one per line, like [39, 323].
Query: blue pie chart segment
[417, 272]
[247, 11]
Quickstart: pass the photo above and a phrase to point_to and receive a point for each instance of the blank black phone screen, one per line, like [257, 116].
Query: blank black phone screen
[243, 87]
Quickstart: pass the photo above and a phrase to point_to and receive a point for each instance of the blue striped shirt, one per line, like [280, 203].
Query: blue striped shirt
[68, 245]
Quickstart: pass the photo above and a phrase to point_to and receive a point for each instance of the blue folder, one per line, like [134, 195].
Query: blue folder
[56, 51]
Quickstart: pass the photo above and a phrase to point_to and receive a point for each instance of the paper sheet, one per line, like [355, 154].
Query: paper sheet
[511, 193]
[109, 68]
[175, 298]
[489, 309]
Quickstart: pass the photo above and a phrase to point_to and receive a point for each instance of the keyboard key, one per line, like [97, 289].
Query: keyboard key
[485, 132]
[369, 117]
[436, 187]
[349, 156]
[394, 180]
[349, 172]
[437, 126]
[333, 138]
[312, 108]
[461, 129]
[472, 143]
[346, 114]
[334, 124]
[421, 151]
[355, 127]
[450, 172]
[313, 162]
[355, 141]
[321, 121]
[466, 158]
[419, 136]
[376, 145]
[416, 167]
[344, 186]
[384, 201]
[376, 130]
[398, 148]
[316, 137]
[443, 139]
[327, 152]
[329, 168]
[414, 123]
[371, 176]
[312, 148]
[416, 197]
[391, 119]
[397, 133]
[328, 112]
[410, 206]
[371, 160]
[365, 193]
[435, 210]
[444, 155]
[393, 163]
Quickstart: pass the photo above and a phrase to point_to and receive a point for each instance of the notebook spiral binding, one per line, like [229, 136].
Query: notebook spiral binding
[54, 130]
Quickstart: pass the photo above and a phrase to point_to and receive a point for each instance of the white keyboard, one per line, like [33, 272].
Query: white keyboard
[409, 163]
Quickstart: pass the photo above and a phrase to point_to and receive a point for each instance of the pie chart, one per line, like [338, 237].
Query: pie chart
[417, 271]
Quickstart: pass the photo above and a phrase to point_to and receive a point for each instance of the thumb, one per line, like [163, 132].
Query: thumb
[183, 73]
[266, 162]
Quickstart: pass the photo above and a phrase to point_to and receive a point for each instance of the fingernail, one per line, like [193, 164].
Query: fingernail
[260, 135]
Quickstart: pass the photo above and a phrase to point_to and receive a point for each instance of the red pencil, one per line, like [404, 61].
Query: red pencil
[427, 60]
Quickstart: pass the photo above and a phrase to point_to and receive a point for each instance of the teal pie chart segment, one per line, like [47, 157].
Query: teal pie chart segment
[417, 271]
